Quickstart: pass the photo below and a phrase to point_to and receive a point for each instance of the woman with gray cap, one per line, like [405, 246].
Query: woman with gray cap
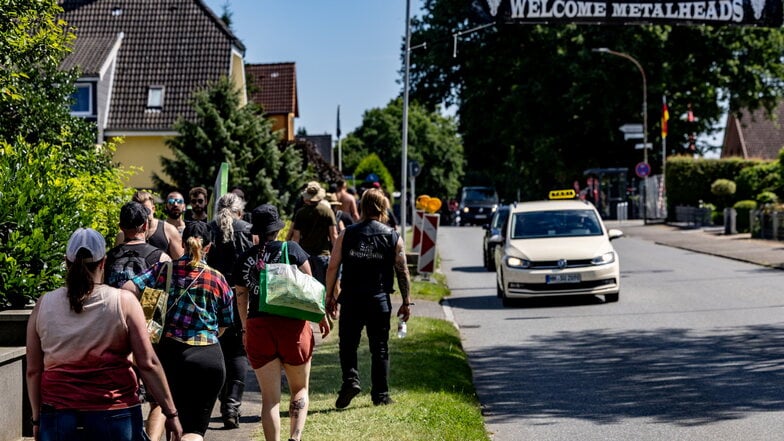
[79, 339]
[274, 342]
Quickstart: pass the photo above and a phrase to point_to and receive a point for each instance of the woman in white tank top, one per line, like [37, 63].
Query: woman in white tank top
[79, 341]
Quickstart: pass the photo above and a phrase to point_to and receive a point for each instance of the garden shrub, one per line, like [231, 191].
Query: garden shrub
[373, 164]
[723, 190]
[767, 197]
[758, 178]
[689, 179]
[743, 209]
[44, 197]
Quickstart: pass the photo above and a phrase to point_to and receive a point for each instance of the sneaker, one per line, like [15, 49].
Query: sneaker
[383, 400]
[231, 422]
[346, 394]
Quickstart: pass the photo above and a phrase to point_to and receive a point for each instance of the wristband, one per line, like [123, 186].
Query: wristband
[169, 416]
[35, 422]
[409, 304]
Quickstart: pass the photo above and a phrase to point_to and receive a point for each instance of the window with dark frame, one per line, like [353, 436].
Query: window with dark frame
[155, 97]
[82, 99]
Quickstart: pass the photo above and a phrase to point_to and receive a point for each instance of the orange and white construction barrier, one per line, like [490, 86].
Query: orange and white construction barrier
[427, 251]
[416, 240]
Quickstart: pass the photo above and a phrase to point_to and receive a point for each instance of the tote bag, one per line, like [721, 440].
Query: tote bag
[288, 292]
[154, 305]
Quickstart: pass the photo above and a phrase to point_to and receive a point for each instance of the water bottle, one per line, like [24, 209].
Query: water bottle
[401, 327]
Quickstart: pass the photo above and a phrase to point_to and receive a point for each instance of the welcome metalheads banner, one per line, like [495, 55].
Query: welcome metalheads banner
[711, 12]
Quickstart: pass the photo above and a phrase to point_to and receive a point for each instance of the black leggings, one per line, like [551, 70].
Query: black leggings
[195, 375]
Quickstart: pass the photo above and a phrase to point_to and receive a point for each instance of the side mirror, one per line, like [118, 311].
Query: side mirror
[614, 234]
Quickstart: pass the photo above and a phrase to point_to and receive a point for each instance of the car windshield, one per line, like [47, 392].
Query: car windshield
[480, 195]
[557, 223]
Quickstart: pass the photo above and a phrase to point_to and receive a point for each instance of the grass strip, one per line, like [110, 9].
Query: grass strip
[430, 381]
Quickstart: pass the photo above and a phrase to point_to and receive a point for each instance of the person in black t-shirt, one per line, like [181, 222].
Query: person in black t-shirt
[271, 341]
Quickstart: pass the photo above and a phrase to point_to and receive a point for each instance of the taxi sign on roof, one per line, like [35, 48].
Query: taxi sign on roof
[562, 194]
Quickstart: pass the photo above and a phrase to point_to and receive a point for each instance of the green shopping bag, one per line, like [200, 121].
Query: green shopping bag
[286, 291]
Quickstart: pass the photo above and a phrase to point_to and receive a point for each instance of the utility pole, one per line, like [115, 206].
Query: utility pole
[404, 149]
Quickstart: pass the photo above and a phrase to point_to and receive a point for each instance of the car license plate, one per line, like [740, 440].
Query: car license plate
[481, 216]
[563, 278]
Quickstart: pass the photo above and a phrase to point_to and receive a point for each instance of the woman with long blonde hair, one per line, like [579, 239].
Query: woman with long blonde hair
[199, 309]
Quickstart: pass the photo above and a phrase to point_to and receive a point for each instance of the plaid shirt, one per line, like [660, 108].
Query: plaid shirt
[201, 310]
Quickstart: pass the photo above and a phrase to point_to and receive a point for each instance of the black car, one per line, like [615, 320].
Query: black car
[493, 236]
[477, 205]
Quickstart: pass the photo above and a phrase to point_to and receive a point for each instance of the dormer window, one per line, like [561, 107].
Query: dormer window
[82, 104]
[155, 97]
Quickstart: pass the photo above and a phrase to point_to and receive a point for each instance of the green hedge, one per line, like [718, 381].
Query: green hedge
[44, 197]
[742, 210]
[689, 180]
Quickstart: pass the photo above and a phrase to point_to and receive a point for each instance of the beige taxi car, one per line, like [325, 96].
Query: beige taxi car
[555, 248]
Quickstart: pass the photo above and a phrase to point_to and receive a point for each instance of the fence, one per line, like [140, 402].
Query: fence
[767, 225]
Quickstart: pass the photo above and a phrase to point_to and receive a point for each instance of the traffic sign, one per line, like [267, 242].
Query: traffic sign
[631, 128]
[628, 136]
[642, 169]
[639, 146]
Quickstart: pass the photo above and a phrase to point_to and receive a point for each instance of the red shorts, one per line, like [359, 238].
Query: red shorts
[271, 337]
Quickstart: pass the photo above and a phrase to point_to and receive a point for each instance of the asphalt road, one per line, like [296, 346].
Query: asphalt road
[694, 350]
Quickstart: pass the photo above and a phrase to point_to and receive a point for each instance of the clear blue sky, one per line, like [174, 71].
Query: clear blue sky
[346, 52]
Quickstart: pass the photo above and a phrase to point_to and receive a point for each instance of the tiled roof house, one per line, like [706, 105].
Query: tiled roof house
[754, 135]
[140, 62]
[274, 87]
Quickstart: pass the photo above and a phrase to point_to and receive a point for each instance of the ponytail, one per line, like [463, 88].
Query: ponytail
[79, 280]
[226, 224]
[195, 249]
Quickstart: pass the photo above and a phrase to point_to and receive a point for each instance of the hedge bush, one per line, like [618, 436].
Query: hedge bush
[757, 178]
[373, 164]
[43, 199]
[743, 209]
[689, 179]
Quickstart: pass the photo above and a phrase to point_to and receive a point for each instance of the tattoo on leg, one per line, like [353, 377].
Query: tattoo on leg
[296, 406]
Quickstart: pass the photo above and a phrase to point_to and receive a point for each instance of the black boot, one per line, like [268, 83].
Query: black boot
[231, 399]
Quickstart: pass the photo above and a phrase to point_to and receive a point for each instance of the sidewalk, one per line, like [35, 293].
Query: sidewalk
[707, 240]
[250, 422]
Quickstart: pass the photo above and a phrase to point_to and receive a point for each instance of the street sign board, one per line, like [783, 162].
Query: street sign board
[628, 136]
[631, 128]
[639, 146]
[642, 169]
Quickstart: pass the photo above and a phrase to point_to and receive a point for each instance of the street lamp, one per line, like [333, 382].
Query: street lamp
[604, 50]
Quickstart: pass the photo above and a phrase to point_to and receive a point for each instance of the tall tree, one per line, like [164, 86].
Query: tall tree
[432, 141]
[225, 132]
[536, 106]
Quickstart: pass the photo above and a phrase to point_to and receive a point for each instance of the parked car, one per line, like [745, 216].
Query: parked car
[556, 247]
[493, 237]
[477, 205]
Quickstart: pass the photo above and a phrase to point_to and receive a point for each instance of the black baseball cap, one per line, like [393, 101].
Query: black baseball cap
[197, 229]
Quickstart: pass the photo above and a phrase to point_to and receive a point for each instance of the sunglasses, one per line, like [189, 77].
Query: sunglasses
[197, 201]
[175, 201]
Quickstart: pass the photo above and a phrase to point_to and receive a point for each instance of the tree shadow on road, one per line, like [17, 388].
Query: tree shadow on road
[673, 376]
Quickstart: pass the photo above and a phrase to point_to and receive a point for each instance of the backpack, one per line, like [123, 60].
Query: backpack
[127, 261]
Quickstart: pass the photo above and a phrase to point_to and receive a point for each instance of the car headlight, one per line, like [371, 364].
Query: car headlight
[515, 262]
[604, 259]
[495, 207]
[465, 209]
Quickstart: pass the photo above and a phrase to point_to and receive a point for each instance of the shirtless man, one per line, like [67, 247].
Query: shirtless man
[175, 207]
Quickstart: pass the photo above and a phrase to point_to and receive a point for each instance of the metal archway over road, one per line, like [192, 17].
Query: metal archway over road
[766, 13]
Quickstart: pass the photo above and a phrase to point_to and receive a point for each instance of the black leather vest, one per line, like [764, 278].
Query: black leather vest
[368, 254]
